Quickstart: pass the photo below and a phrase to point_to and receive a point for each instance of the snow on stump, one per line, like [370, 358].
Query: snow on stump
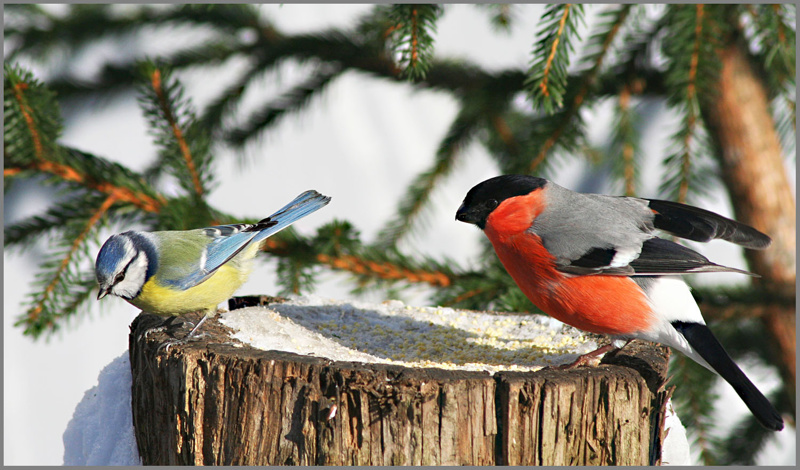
[316, 382]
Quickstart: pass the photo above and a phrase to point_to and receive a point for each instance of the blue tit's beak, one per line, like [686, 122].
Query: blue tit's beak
[102, 293]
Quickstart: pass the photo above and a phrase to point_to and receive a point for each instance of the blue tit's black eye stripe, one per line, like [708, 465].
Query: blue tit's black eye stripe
[121, 276]
[145, 244]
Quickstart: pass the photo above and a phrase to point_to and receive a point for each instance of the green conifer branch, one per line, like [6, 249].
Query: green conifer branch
[85, 171]
[292, 101]
[692, 49]
[461, 132]
[227, 102]
[774, 36]
[38, 37]
[625, 145]
[411, 37]
[569, 130]
[30, 126]
[185, 149]
[547, 76]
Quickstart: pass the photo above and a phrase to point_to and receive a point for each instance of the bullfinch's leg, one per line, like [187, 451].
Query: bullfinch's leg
[593, 358]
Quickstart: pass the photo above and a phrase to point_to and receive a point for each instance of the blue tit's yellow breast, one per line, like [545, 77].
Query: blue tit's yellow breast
[164, 300]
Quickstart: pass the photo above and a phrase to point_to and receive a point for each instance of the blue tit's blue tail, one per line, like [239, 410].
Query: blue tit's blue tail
[226, 241]
[300, 207]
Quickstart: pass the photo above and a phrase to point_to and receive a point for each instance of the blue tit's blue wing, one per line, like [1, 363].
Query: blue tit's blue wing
[229, 240]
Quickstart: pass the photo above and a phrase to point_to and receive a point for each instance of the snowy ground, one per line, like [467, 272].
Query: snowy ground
[101, 431]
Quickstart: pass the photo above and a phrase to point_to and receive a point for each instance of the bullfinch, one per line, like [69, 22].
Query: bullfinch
[593, 262]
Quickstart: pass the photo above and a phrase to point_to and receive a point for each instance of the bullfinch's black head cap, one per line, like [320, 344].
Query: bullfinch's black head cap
[484, 197]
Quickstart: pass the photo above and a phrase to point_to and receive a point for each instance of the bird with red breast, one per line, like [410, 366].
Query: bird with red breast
[594, 262]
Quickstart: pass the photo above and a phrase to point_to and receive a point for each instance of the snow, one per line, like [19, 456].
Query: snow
[101, 429]
[393, 332]
[675, 448]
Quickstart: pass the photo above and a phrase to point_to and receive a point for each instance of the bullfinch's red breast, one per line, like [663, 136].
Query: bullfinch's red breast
[593, 261]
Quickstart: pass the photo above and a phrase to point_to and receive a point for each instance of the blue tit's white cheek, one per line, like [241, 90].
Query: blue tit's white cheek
[134, 280]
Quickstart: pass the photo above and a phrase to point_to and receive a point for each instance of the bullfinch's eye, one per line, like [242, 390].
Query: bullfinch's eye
[492, 203]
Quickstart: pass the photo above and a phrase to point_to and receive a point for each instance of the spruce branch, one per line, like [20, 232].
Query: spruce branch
[290, 102]
[461, 132]
[625, 142]
[338, 247]
[90, 172]
[692, 108]
[364, 266]
[28, 117]
[411, 37]
[774, 38]
[173, 118]
[692, 50]
[227, 101]
[547, 76]
[603, 42]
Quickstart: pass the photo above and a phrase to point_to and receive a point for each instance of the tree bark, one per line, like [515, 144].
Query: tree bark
[751, 160]
[215, 401]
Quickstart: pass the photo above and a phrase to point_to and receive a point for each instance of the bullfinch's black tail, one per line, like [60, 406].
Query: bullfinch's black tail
[705, 343]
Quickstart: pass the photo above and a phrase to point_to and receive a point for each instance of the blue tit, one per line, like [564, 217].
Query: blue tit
[177, 272]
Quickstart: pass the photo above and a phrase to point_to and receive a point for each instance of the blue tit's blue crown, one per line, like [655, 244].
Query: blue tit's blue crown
[111, 253]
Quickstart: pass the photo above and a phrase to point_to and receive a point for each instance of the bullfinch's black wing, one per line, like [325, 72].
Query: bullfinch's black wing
[657, 257]
[595, 234]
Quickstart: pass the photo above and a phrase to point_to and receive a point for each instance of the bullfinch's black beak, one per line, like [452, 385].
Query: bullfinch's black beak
[462, 214]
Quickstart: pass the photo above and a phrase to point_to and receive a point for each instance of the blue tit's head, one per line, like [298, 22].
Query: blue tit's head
[125, 263]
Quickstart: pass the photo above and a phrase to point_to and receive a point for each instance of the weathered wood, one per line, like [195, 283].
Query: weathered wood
[216, 401]
[607, 415]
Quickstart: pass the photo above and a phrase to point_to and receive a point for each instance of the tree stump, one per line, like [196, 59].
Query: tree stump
[217, 401]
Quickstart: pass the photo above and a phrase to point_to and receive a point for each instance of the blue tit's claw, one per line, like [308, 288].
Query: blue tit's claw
[151, 331]
[170, 326]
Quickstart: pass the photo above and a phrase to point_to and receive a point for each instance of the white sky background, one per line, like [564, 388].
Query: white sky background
[361, 142]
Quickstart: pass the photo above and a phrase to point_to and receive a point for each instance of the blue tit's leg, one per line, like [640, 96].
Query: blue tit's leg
[191, 333]
[189, 337]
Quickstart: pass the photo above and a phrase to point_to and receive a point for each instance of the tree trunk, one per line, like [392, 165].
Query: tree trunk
[751, 160]
[215, 401]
